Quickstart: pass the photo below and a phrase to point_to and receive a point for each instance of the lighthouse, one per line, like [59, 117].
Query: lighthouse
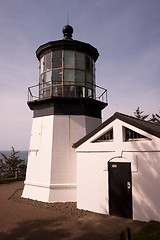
[67, 104]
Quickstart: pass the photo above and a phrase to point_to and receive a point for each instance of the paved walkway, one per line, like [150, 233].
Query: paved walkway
[19, 221]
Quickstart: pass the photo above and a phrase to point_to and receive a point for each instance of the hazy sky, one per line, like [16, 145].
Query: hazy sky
[125, 32]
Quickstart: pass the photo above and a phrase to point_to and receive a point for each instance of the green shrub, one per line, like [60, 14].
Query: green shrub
[150, 231]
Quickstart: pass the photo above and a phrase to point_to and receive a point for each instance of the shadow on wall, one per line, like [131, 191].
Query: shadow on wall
[146, 184]
[37, 230]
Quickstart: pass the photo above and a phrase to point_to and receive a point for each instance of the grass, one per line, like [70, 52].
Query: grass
[150, 231]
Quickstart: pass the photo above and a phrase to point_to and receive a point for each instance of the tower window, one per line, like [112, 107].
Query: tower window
[80, 61]
[69, 59]
[57, 59]
[69, 76]
[108, 136]
[89, 64]
[57, 76]
[130, 135]
[42, 65]
[70, 71]
[48, 61]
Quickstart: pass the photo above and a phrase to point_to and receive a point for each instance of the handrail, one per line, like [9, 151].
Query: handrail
[79, 89]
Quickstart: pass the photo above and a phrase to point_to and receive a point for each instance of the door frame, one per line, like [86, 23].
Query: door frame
[128, 189]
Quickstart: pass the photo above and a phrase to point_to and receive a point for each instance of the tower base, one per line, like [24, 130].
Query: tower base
[50, 193]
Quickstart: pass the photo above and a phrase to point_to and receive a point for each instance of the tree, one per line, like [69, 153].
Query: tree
[139, 114]
[11, 163]
[2, 166]
[155, 118]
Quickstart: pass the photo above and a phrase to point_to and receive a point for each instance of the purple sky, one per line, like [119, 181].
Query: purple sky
[126, 34]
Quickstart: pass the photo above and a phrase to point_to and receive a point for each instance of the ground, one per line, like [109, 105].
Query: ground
[24, 219]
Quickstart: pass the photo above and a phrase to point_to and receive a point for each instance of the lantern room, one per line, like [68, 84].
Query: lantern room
[67, 73]
[67, 69]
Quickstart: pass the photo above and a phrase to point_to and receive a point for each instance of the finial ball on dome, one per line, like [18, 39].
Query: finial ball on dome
[67, 32]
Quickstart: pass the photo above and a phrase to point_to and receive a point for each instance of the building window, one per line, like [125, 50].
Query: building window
[130, 135]
[107, 137]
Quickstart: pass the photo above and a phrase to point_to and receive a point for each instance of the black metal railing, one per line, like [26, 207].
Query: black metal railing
[66, 89]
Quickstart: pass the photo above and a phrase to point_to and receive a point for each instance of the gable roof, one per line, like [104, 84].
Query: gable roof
[146, 126]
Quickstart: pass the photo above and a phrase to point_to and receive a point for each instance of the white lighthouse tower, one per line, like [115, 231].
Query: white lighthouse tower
[65, 108]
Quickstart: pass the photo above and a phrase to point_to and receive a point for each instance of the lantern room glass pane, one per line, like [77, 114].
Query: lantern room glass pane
[57, 76]
[89, 64]
[69, 59]
[94, 68]
[46, 92]
[69, 76]
[42, 65]
[80, 61]
[80, 91]
[89, 80]
[41, 77]
[80, 78]
[94, 82]
[48, 76]
[68, 91]
[57, 59]
[89, 93]
[57, 91]
[48, 61]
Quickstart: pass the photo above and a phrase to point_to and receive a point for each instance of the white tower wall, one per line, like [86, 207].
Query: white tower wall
[51, 168]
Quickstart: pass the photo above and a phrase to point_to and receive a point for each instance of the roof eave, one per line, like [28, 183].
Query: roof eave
[125, 118]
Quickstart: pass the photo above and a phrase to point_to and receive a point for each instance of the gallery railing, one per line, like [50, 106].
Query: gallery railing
[68, 90]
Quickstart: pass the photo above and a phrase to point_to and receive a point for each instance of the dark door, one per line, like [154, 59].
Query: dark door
[120, 189]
